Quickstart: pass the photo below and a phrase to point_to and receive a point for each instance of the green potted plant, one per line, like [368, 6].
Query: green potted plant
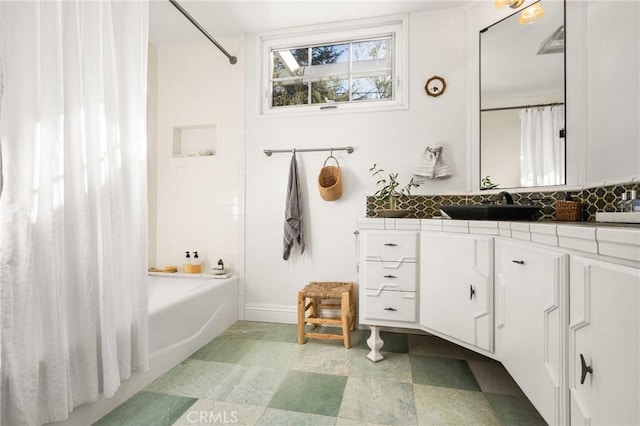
[388, 186]
[485, 183]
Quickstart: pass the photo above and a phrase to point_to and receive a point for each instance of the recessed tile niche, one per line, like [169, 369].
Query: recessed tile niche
[198, 140]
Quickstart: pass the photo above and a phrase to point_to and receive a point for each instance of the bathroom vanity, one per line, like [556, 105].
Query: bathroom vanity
[557, 303]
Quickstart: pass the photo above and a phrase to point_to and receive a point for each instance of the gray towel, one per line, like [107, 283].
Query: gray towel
[293, 212]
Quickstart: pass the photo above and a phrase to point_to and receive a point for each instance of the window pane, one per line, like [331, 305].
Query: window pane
[331, 54]
[301, 55]
[293, 92]
[372, 87]
[330, 60]
[330, 89]
[290, 63]
[372, 55]
[279, 70]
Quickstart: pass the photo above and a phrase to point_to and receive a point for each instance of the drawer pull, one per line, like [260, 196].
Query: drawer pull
[390, 244]
[471, 292]
[390, 309]
[519, 262]
[585, 369]
[390, 276]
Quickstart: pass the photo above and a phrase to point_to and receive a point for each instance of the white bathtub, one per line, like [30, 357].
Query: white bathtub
[185, 312]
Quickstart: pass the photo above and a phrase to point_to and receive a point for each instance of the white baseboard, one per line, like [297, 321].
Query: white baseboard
[286, 314]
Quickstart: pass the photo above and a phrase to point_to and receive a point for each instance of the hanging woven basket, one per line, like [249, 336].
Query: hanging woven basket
[330, 181]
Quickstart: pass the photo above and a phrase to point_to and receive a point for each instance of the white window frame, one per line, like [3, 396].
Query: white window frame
[325, 34]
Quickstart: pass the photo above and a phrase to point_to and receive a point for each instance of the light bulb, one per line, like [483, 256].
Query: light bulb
[531, 14]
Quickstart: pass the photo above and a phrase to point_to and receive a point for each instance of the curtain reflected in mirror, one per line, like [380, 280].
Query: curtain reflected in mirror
[523, 147]
[541, 147]
[522, 112]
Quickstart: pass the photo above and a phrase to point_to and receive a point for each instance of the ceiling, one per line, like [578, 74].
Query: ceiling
[234, 17]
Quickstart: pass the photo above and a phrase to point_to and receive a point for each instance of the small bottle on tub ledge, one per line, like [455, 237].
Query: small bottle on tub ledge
[219, 270]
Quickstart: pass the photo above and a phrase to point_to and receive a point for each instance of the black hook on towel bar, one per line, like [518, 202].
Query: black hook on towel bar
[232, 59]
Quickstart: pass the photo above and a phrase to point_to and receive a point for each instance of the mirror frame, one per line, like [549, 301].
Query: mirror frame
[564, 92]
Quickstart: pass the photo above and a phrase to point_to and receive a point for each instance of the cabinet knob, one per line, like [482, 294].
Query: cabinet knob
[585, 369]
[390, 244]
[390, 309]
[390, 276]
[519, 262]
[472, 292]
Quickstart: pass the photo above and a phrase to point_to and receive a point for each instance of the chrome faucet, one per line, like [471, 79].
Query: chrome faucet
[507, 197]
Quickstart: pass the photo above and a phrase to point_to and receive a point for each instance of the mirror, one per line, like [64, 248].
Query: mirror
[522, 92]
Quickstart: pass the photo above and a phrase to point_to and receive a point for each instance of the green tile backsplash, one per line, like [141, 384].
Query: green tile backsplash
[596, 199]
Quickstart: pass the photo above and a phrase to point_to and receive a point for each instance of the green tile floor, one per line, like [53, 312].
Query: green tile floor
[256, 374]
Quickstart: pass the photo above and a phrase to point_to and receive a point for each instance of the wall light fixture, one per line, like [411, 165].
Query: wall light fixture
[528, 16]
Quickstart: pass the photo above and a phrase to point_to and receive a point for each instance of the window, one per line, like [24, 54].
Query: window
[353, 66]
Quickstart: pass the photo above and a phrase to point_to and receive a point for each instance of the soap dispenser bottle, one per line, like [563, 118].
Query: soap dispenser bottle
[634, 202]
[196, 265]
[220, 265]
[186, 267]
[623, 203]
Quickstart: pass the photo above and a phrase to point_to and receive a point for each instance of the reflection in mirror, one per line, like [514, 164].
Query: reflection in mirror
[522, 112]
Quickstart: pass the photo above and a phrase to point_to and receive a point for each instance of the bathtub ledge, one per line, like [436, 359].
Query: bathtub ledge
[183, 275]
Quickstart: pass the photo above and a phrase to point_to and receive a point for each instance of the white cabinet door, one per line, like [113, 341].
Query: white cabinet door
[604, 331]
[531, 322]
[456, 286]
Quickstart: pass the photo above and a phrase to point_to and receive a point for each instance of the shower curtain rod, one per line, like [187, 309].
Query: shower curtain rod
[521, 107]
[268, 152]
[232, 59]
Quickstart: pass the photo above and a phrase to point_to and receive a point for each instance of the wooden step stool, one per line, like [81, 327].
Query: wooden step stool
[319, 293]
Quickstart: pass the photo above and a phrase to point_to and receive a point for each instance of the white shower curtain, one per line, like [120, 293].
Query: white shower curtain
[542, 150]
[73, 213]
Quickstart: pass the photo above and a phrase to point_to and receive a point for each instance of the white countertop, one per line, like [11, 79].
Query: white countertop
[617, 240]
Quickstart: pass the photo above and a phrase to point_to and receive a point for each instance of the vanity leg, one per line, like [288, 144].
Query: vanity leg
[375, 344]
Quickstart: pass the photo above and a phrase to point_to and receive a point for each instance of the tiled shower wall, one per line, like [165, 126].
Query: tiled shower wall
[197, 202]
[596, 199]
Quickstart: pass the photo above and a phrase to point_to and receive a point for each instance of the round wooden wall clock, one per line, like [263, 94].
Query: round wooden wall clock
[435, 86]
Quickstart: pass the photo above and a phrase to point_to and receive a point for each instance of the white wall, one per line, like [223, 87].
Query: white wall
[394, 140]
[613, 91]
[500, 157]
[200, 200]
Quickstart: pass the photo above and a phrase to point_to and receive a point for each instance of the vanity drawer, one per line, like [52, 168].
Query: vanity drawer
[390, 305]
[397, 276]
[391, 246]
